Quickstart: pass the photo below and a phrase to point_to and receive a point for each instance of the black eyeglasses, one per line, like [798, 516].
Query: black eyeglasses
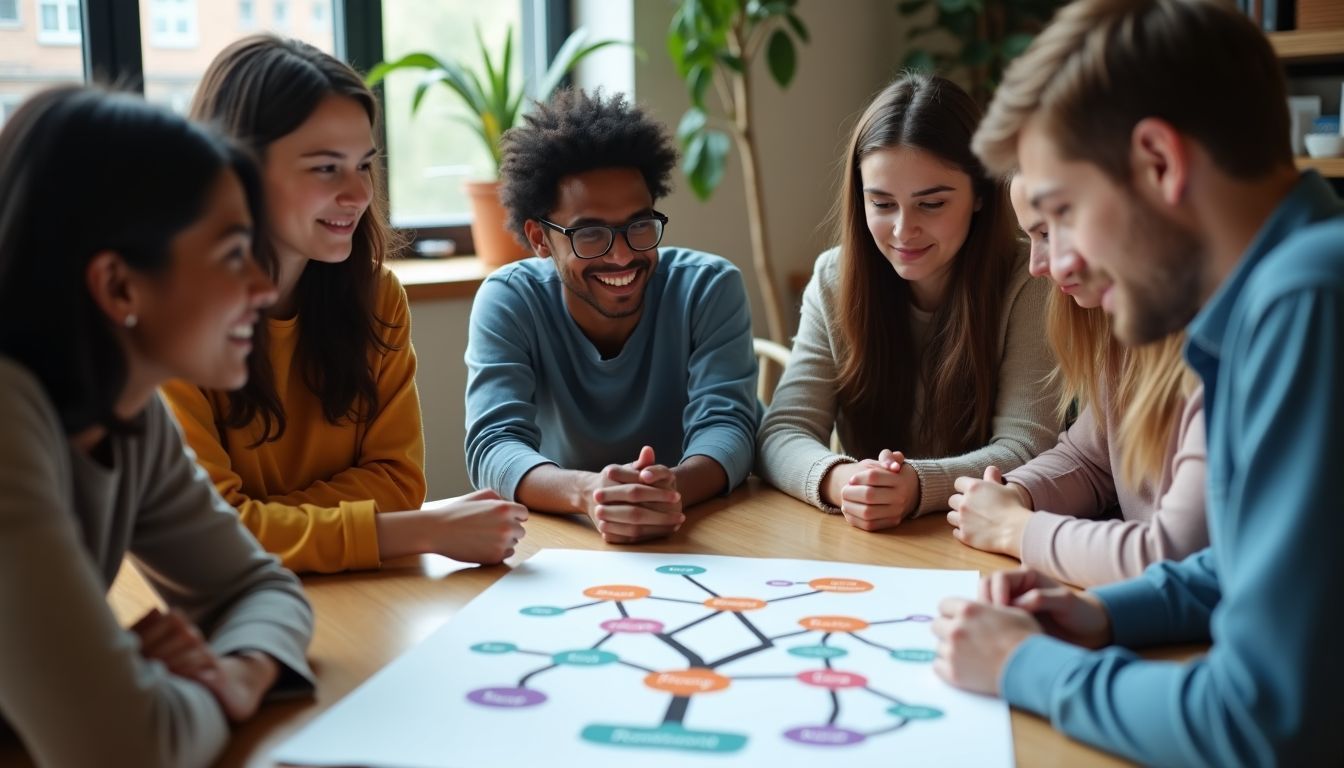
[592, 241]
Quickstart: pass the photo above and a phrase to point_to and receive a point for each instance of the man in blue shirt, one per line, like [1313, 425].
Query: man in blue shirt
[608, 377]
[1153, 136]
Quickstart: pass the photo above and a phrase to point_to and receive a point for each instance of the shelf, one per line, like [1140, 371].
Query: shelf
[1330, 167]
[1306, 46]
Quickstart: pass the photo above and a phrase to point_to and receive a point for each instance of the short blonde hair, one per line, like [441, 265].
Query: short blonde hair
[1101, 66]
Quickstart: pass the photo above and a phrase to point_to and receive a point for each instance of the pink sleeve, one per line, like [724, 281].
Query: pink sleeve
[1074, 477]
[1091, 552]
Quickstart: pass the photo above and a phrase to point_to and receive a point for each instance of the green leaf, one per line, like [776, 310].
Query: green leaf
[953, 6]
[571, 52]
[409, 61]
[780, 55]
[919, 60]
[799, 28]
[691, 123]
[1015, 44]
[711, 158]
[911, 7]
[697, 80]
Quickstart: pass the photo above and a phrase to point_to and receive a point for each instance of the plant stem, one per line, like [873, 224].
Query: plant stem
[751, 180]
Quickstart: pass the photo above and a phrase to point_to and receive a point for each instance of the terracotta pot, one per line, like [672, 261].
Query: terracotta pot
[495, 245]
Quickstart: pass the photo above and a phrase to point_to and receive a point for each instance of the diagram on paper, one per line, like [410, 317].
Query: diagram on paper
[605, 659]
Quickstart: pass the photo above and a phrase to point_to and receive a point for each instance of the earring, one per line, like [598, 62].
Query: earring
[130, 321]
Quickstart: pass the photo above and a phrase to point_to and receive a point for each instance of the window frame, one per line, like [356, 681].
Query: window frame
[63, 34]
[171, 38]
[17, 21]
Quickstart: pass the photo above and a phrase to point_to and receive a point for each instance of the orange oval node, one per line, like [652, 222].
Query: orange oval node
[840, 585]
[735, 604]
[833, 623]
[687, 682]
[616, 592]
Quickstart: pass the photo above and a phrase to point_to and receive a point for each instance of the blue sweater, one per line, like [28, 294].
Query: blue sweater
[539, 392]
[1268, 590]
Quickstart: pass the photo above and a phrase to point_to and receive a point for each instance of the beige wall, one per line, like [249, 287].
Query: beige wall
[855, 49]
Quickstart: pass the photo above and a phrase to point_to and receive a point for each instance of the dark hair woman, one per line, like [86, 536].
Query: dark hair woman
[921, 339]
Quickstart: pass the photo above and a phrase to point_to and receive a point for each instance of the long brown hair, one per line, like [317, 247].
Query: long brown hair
[258, 90]
[878, 363]
[1148, 385]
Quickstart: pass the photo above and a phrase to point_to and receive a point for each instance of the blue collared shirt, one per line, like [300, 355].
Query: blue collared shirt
[1267, 591]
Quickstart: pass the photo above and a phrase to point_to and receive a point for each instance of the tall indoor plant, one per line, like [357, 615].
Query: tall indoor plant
[495, 101]
[713, 43]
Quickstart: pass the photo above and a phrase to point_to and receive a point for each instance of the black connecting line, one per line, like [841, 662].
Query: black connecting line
[599, 643]
[676, 600]
[693, 659]
[636, 666]
[790, 597]
[866, 641]
[685, 627]
[523, 682]
[676, 711]
[711, 592]
[621, 607]
[583, 605]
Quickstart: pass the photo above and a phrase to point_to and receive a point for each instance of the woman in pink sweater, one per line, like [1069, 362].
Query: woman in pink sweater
[1138, 444]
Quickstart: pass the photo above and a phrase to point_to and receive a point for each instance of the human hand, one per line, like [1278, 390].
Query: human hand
[238, 682]
[875, 493]
[635, 502]
[479, 527]
[1076, 617]
[975, 641]
[988, 515]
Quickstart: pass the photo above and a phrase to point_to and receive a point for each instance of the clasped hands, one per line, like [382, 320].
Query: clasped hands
[237, 681]
[873, 494]
[634, 502]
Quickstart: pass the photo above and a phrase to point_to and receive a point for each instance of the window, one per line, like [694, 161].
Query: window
[280, 13]
[9, 13]
[58, 22]
[432, 153]
[173, 23]
[8, 103]
[320, 17]
[173, 70]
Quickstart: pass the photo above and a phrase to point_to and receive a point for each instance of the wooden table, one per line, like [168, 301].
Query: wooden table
[365, 620]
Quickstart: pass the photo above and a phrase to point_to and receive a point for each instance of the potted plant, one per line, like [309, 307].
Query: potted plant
[495, 103]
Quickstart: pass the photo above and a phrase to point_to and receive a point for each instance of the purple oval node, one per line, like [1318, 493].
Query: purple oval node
[508, 698]
[919, 617]
[779, 583]
[633, 625]
[824, 736]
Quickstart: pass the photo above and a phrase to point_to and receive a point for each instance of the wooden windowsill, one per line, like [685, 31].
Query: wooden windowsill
[455, 277]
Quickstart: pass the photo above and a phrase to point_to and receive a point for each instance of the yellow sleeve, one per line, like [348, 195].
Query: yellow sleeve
[307, 536]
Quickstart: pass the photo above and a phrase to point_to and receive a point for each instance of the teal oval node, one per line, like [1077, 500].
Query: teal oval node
[588, 657]
[663, 738]
[681, 570]
[542, 610]
[913, 654]
[494, 647]
[912, 712]
[818, 651]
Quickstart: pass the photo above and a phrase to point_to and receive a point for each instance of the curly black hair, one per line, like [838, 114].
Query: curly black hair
[573, 133]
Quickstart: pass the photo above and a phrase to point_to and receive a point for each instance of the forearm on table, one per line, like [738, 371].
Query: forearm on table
[549, 488]
[699, 478]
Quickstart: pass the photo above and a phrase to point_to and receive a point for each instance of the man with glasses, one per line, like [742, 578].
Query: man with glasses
[608, 377]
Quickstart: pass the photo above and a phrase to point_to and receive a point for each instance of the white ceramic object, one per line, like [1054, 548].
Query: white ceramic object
[1301, 111]
[1324, 144]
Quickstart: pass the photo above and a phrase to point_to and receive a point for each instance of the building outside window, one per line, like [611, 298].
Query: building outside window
[173, 23]
[58, 22]
[247, 14]
[9, 13]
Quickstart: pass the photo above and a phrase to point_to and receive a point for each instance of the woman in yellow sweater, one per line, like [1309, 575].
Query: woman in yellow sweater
[322, 452]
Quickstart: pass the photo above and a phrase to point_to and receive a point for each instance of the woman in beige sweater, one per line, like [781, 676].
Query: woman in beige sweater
[1138, 444]
[921, 339]
[125, 238]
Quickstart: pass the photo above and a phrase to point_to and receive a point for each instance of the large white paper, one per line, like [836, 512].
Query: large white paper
[611, 659]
